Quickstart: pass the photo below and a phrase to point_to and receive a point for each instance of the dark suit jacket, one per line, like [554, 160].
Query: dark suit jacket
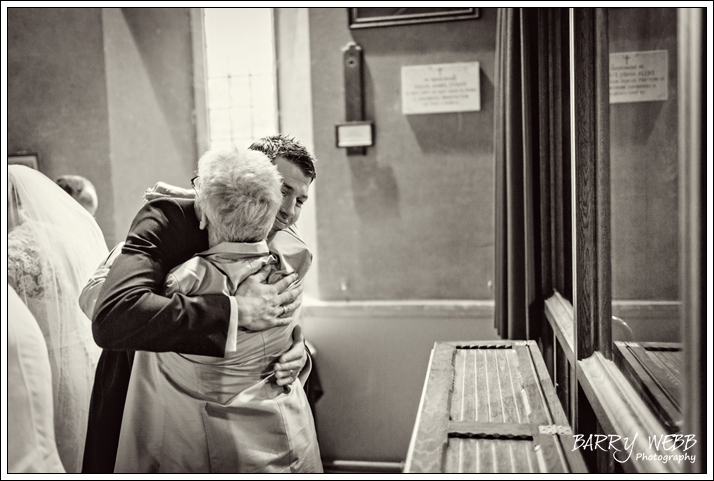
[130, 315]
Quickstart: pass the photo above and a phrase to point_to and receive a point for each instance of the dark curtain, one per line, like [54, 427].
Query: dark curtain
[532, 162]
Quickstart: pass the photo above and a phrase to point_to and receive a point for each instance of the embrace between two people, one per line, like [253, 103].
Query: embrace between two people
[199, 282]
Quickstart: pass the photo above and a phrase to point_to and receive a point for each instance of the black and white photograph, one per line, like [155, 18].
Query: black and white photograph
[357, 240]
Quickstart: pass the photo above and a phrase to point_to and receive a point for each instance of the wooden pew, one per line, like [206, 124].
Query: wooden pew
[490, 407]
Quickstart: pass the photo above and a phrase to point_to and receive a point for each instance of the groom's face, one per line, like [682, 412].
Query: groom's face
[295, 190]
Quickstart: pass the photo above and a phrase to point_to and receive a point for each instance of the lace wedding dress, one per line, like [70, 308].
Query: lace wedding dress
[53, 247]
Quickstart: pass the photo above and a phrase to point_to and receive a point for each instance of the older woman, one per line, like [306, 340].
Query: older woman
[53, 247]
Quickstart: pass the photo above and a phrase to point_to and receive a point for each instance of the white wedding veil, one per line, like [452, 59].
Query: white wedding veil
[54, 245]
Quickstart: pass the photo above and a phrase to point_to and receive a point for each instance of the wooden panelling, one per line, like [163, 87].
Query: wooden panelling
[591, 179]
[559, 313]
[562, 227]
[603, 276]
[600, 397]
[547, 344]
[584, 148]
[545, 119]
[563, 381]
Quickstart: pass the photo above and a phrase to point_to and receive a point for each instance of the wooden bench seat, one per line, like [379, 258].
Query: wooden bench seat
[488, 407]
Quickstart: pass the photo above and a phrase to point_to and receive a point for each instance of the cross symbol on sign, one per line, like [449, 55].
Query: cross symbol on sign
[626, 57]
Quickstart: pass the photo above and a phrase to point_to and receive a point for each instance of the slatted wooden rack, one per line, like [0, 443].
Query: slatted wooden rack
[490, 407]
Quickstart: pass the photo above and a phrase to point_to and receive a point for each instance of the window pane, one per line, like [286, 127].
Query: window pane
[241, 75]
[219, 89]
[644, 167]
[220, 124]
[645, 204]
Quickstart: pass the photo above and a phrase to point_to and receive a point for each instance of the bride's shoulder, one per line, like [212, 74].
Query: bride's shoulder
[24, 268]
[32, 241]
[23, 237]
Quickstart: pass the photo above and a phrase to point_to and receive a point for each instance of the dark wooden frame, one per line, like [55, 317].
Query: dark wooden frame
[691, 48]
[599, 396]
[354, 20]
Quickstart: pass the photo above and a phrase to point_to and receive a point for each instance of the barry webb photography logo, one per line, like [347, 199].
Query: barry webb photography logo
[663, 448]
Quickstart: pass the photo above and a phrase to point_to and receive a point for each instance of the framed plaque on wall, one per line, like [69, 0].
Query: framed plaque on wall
[30, 159]
[386, 16]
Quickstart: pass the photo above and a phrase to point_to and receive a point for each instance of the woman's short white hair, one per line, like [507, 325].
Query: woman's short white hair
[239, 191]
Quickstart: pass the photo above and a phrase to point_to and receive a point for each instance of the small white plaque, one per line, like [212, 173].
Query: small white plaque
[448, 87]
[638, 76]
[357, 134]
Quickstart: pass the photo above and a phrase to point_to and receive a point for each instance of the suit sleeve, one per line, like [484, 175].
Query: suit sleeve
[90, 292]
[131, 313]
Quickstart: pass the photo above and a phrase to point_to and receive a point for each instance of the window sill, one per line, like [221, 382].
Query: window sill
[560, 314]
[620, 411]
[655, 370]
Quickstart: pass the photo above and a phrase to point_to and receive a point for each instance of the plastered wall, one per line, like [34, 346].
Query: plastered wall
[149, 67]
[403, 237]
[412, 219]
[57, 102]
[107, 94]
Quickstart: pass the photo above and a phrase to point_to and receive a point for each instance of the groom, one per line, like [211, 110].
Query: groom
[130, 315]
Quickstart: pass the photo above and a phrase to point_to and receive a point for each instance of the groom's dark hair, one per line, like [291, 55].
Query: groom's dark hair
[292, 150]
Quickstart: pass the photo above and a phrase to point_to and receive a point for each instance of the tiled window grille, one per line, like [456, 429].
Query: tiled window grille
[241, 87]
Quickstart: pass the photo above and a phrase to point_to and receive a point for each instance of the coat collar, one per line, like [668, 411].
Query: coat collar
[242, 248]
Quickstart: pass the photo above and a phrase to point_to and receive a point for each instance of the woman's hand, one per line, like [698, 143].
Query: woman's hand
[162, 189]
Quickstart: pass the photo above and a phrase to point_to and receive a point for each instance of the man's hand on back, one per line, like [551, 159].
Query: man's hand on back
[262, 306]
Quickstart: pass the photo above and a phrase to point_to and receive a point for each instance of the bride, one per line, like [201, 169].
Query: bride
[54, 245]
